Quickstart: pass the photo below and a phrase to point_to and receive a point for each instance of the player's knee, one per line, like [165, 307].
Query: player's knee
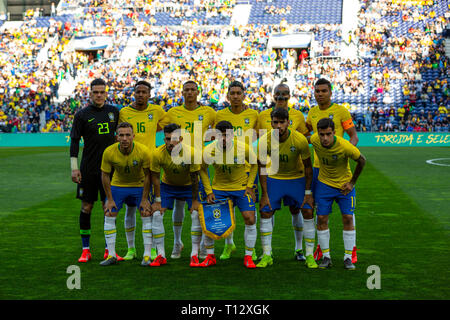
[347, 220]
[307, 213]
[322, 222]
[266, 215]
[249, 218]
[294, 210]
[86, 207]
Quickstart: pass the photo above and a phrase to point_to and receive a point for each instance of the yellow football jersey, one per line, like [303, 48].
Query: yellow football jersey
[291, 153]
[340, 116]
[185, 119]
[334, 165]
[145, 123]
[247, 119]
[174, 174]
[230, 173]
[296, 120]
[128, 168]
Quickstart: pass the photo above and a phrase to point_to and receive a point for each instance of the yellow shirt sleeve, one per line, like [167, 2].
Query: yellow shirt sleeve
[106, 164]
[155, 165]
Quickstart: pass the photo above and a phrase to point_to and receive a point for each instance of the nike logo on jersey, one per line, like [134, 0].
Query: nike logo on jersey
[130, 118]
[90, 120]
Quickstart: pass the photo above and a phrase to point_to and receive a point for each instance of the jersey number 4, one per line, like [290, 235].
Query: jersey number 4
[103, 128]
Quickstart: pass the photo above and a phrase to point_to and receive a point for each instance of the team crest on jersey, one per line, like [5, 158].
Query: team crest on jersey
[247, 121]
[111, 116]
[135, 163]
[330, 116]
[150, 116]
[200, 117]
[235, 159]
[293, 149]
[290, 122]
[334, 156]
[216, 213]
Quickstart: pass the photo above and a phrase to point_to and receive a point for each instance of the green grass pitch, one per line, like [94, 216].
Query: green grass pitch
[402, 223]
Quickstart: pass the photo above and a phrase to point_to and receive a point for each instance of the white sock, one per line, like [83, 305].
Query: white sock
[130, 225]
[250, 239]
[196, 233]
[177, 220]
[158, 233]
[147, 235]
[349, 242]
[266, 229]
[310, 235]
[323, 237]
[209, 245]
[273, 221]
[354, 226]
[110, 235]
[297, 224]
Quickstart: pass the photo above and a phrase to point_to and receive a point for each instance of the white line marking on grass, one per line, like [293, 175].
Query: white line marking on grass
[432, 161]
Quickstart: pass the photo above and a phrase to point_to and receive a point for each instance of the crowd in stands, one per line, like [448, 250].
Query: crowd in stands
[413, 65]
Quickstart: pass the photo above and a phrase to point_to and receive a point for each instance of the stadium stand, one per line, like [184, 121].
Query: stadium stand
[397, 81]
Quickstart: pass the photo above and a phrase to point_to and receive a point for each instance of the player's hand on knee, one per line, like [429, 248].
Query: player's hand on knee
[210, 198]
[308, 199]
[346, 188]
[145, 208]
[109, 206]
[265, 202]
[156, 206]
[76, 176]
[250, 192]
[195, 205]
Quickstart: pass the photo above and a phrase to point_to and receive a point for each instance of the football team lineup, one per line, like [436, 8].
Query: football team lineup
[276, 241]
[286, 173]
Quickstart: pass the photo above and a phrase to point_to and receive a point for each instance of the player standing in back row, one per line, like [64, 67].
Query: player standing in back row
[186, 116]
[343, 123]
[96, 124]
[145, 119]
[281, 96]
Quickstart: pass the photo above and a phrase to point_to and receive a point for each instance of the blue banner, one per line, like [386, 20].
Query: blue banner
[217, 220]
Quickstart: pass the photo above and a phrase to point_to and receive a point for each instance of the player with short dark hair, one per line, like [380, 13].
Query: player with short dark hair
[96, 124]
[281, 96]
[343, 123]
[228, 156]
[335, 183]
[288, 179]
[245, 122]
[130, 184]
[179, 181]
[146, 119]
[186, 116]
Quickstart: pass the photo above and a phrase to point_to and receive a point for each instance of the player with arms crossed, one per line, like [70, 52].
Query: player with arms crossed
[290, 180]
[343, 123]
[281, 95]
[145, 119]
[130, 184]
[242, 119]
[179, 181]
[335, 183]
[96, 124]
[185, 116]
[231, 181]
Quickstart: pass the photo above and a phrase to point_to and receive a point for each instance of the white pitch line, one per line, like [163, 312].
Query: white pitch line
[438, 164]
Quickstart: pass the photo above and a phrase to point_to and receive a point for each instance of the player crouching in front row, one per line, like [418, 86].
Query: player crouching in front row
[335, 183]
[130, 184]
[231, 181]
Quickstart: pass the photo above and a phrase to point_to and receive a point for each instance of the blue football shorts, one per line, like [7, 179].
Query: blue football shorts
[291, 191]
[325, 195]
